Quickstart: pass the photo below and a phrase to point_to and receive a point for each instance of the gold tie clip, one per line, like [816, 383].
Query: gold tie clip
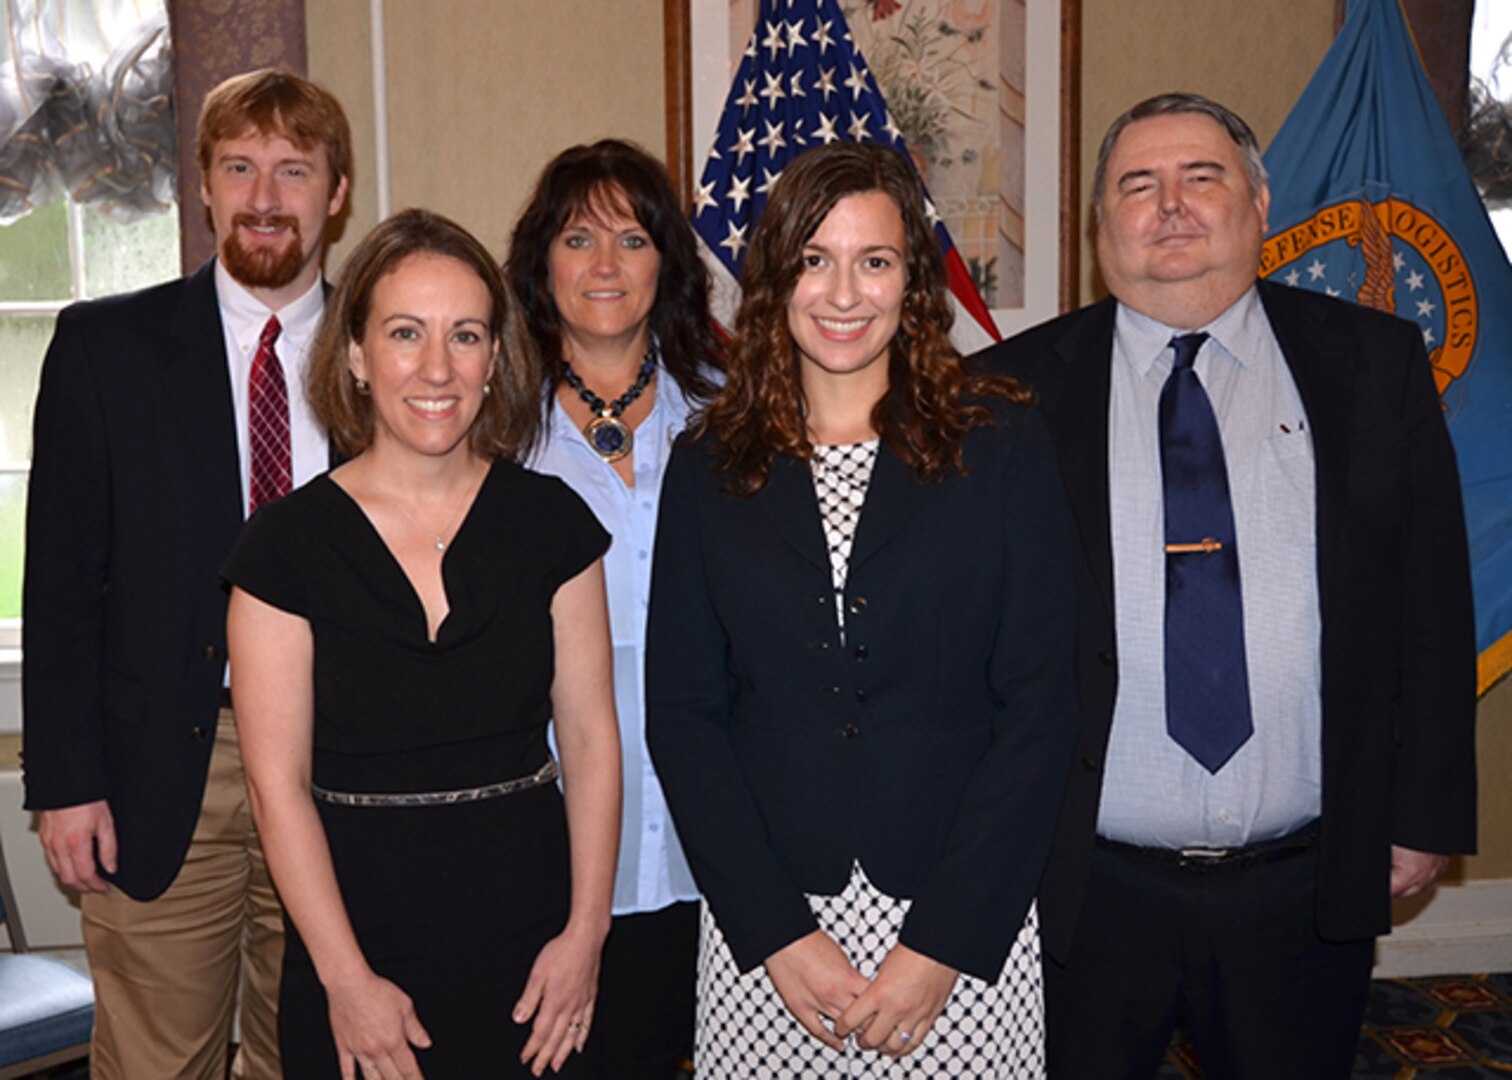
[1206, 546]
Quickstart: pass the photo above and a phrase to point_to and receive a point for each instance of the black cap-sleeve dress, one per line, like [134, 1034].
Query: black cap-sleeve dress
[450, 901]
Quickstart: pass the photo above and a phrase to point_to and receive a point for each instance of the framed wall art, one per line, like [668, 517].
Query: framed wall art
[986, 94]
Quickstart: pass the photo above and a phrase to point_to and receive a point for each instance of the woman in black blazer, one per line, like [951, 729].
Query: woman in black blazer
[859, 680]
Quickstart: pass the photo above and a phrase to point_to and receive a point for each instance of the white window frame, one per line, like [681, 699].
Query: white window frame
[10, 629]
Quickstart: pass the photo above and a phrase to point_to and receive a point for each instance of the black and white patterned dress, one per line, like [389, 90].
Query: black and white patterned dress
[744, 1032]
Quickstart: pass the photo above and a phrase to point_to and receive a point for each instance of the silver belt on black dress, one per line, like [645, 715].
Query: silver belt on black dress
[544, 775]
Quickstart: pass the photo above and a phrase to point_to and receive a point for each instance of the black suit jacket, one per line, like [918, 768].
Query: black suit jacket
[135, 501]
[1398, 663]
[931, 745]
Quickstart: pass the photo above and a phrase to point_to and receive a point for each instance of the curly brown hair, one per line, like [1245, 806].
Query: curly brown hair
[509, 419]
[931, 402]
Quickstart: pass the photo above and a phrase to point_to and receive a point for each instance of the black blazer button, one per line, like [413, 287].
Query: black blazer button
[861, 696]
[1091, 764]
[1105, 659]
[830, 689]
[850, 731]
[861, 652]
[857, 605]
[211, 652]
[196, 733]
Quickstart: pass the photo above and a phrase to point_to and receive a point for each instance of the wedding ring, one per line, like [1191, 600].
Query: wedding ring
[903, 1035]
[576, 1025]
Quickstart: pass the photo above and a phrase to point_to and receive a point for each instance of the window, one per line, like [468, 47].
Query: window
[1491, 103]
[56, 250]
[51, 257]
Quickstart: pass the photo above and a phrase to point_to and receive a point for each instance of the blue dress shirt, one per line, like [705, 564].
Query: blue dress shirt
[1154, 793]
[652, 871]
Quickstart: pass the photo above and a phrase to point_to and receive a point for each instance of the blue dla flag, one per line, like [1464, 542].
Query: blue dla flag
[1371, 201]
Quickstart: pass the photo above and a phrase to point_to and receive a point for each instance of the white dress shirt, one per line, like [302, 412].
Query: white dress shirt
[243, 317]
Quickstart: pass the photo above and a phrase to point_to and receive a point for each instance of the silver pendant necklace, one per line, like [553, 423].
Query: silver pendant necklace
[438, 538]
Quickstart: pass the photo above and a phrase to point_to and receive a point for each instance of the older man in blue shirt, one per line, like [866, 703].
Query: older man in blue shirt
[1276, 657]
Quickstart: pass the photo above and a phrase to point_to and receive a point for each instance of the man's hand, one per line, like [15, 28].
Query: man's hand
[1413, 871]
[73, 838]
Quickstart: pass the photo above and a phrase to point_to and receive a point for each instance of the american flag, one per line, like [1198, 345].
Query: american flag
[802, 83]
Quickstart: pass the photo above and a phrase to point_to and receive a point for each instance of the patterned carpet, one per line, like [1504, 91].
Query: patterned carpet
[1449, 1027]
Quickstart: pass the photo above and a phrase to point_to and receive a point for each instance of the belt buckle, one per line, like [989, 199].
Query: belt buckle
[1202, 856]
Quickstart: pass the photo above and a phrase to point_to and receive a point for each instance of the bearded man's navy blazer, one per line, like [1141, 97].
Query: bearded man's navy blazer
[134, 503]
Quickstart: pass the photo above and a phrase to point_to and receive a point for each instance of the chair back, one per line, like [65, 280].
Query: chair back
[9, 913]
[46, 1007]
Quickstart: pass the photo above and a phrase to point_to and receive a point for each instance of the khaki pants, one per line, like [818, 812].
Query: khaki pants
[168, 972]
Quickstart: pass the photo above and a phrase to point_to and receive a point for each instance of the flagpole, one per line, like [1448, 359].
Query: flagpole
[676, 31]
[1070, 156]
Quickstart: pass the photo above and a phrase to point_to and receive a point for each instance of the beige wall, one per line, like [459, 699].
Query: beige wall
[340, 59]
[482, 93]
[1495, 766]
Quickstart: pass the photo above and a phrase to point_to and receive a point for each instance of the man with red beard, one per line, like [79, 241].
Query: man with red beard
[163, 419]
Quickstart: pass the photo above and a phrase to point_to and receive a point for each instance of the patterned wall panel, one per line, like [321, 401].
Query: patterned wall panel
[213, 40]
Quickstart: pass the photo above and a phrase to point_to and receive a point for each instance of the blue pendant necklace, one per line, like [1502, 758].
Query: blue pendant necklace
[610, 437]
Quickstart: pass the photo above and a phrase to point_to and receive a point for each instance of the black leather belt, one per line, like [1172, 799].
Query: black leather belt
[1265, 851]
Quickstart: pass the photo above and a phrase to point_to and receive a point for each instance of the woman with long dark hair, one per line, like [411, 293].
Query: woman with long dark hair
[859, 672]
[616, 299]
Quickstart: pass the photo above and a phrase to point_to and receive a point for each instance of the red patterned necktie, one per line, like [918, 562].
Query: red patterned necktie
[270, 471]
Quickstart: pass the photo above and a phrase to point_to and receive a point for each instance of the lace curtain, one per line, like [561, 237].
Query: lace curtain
[1487, 140]
[86, 107]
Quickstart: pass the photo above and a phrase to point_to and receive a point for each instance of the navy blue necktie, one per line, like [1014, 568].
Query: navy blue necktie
[1207, 686]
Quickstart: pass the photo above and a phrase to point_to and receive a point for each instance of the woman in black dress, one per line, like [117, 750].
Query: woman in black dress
[394, 677]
